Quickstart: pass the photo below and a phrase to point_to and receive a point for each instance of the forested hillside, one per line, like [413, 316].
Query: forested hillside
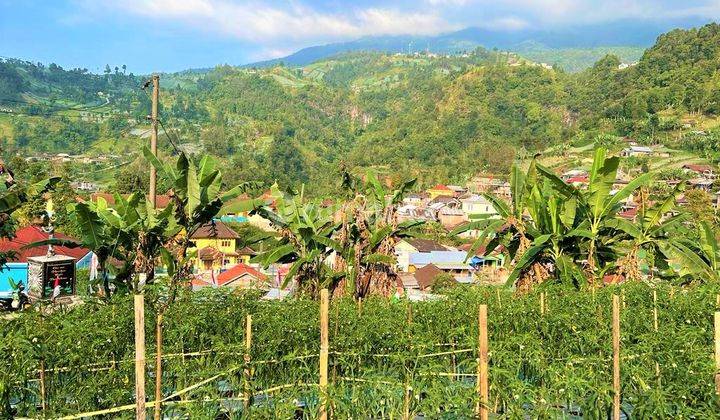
[436, 117]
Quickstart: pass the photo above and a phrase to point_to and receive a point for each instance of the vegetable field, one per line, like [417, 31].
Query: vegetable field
[387, 359]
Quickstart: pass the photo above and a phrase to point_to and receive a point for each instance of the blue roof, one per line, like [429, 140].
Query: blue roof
[439, 257]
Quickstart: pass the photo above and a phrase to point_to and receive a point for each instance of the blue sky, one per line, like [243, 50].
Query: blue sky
[171, 35]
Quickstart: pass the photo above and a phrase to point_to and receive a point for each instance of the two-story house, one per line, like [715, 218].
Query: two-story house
[216, 244]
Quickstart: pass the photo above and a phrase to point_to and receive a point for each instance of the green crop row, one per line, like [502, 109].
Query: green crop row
[386, 357]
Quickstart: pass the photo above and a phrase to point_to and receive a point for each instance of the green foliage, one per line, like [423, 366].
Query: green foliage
[540, 366]
[443, 282]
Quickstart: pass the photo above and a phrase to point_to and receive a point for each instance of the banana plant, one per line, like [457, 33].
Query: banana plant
[554, 250]
[129, 234]
[697, 258]
[368, 233]
[598, 205]
[305, 240]
[511, 230]
[654, 230]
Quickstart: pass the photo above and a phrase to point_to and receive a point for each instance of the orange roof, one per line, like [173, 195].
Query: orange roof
[238, 271]
[441, 187]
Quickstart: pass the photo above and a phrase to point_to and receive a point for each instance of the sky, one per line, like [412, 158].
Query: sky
[173, 35]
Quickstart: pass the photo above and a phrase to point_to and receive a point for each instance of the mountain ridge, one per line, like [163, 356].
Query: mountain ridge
[615, 34]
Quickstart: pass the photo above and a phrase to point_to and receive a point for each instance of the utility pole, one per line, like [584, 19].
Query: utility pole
[154, 137]
[139, 297]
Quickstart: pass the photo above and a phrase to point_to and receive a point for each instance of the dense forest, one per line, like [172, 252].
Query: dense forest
[435, 117]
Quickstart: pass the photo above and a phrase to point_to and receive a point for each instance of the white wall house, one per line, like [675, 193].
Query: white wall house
[475, 205]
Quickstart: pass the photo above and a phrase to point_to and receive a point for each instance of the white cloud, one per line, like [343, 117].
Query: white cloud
[259, 21]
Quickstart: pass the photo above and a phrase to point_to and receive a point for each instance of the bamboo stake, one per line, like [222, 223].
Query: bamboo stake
[497, 291]
[248, 373]
[406, 399]
[655, 311]
[482, 375]
[542, 303]
[616, 356]
[158, 366]
[655, 327]
[324, 348]
[139, 304]
[43, 402]
[717, 352]
[335, 334]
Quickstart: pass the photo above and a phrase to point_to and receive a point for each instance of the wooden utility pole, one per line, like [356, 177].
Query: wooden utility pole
[324, 349]
[482, 375]
[616, 356]
[154, 137]
[153, 202]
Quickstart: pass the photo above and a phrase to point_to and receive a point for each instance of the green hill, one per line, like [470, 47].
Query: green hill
[437, 117]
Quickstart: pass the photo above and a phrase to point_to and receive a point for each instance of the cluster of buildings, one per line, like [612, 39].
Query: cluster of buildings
[452, 205]
[700, 176]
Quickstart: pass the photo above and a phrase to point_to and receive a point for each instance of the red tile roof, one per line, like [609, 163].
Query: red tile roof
[698, 168]
[441, 187]
[215, 230]
[629, 213]
[238, 271]
[30, 234]
[578, 180]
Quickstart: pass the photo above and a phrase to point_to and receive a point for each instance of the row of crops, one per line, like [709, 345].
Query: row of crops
[387, 358]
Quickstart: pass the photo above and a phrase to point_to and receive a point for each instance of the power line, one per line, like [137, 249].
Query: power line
[168, 137]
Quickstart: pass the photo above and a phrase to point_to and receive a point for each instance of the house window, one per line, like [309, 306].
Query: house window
[225, 243]
[226, 261]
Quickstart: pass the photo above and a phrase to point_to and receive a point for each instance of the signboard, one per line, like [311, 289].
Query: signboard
[45, 273]
[61, 273]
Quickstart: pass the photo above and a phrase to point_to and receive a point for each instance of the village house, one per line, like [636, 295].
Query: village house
[704, 171]
[407, 246]
[415, 199]
[240, 276]
[451, 262]
[475, 205]
[440, 190]
[637, 151]
[409, 212]
[84, 186]
[451, 217]
[215, 244]
[422, 279]
[573, 174]
[701, 184]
